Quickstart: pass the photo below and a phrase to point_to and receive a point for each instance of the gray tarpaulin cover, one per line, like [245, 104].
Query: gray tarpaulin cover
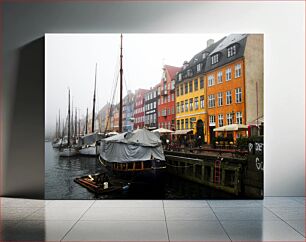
[90, 139]
[139, 145]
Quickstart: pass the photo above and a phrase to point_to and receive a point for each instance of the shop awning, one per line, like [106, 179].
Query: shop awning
[231, 127]
[184, 131]
[163, 130]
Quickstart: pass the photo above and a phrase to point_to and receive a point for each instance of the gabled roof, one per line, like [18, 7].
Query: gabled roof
[172, 70]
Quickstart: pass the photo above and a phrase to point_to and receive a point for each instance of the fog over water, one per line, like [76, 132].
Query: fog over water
[70, 61]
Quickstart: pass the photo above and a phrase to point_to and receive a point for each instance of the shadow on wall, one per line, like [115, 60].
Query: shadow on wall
[26, 141]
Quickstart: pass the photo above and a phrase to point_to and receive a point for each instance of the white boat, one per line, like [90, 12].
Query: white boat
[89, 144]
[92, 150]
[57, 144]
[67, 152]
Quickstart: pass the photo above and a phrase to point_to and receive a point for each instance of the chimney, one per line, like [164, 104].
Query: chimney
[210, 42]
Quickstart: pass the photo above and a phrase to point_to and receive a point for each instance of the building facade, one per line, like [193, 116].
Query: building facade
[166, 100]
[128, 112]
[139, 112]
[233, 70]
[191, 109]
[151, 109]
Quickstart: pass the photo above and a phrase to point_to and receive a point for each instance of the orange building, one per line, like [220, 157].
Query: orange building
[234, 84]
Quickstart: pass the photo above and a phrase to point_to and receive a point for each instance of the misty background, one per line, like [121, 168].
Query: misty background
[70, 61]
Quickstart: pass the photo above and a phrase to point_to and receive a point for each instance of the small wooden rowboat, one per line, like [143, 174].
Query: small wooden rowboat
[94, 184]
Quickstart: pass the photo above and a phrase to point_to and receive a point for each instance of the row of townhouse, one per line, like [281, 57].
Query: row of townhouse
[221, 85]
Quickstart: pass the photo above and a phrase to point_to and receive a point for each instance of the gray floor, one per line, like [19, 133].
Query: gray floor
[273, 219]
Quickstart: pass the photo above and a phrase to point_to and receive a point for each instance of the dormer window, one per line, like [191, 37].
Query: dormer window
[215, 59]
[189, 72]
[180, 76]
[204, 54]
[231, 51]
[199, 67]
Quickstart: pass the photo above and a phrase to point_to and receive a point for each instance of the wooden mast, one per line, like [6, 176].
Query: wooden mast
[94, 104]
[86, 121]
[59, 123]
[69, 118]
[121, 75]
[75, 124]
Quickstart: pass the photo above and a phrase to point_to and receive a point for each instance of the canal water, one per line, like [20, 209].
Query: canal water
[61, 171]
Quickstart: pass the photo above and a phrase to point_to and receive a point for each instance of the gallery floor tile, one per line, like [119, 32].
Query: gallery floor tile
[273, 219]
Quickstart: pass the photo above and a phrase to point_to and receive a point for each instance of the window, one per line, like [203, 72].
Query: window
[238, 94]
[231, 51]
[172, 85]
[186, 123]
[191, 104]
[211, 80]
[182, 123]
[190, 86]
[169, 111]
[180, 76]
[195, 84]
[228, 74]
[154, 94]
[220, 120]
[196, 103]
[172, 97]
[214, 59]
[199, 67]
[239, 117]
[154, 104]
[177, 91]
[186, 88]
[177, 124]
[192, 121]
[165, 99]
[229, 118]
[182, 106]
[204, 54]
[220, 99]
[212, 120]
[173, 110]
[211, 101]
[228, 97]
[201, 83]
[186, 105]
[202, 102]
[220, 77]
[178, 107]
[182, 90]
[169, 98]
[237, 70]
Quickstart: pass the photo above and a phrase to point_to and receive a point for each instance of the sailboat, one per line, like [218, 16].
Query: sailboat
[69, 150]
[89, 143]
[137, 151]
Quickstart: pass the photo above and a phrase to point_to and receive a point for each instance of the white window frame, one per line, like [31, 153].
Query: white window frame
[211, 101]
[229, 100]
[229, 118]
[238, 95]
[239, 117]
[220, 99]
[220, 120]
[220, 76]
[237, 70]
[228, 74]
[202, 103]
[211, 80]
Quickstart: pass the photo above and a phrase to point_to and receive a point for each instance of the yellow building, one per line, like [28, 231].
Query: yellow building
[191, 111]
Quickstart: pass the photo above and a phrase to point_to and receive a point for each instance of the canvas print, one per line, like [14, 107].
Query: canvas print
[154, 116]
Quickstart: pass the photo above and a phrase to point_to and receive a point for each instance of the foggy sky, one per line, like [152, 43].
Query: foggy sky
[70, 61]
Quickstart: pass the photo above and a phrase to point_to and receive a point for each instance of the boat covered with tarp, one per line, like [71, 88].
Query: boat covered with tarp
[139, 145]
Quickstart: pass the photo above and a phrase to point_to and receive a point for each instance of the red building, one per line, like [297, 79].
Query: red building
[139, 108]
[166, 101]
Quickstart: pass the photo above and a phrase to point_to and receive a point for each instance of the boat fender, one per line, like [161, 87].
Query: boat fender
[105, 185]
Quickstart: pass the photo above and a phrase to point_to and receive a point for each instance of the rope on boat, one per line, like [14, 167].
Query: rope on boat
[100, 160]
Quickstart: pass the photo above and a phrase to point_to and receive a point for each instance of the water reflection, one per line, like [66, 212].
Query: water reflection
[61, 171]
